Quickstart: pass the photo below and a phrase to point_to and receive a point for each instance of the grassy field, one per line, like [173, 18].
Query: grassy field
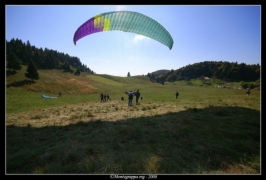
[207, 130]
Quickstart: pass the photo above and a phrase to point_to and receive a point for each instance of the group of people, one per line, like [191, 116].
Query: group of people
[104, 97]
[131, 95]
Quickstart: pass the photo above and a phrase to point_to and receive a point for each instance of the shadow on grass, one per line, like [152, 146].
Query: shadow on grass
[10, 73]
[195, 141]
[20, 83]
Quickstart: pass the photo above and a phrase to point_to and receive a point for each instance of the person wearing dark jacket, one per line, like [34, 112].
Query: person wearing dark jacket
[176, 94]
[137, 94]
[248, 92]
[108, 98]
[102, 97]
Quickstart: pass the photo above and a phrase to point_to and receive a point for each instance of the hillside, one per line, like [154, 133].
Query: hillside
[87, 88]
[52, 81]
[217, 130]
[55, 81]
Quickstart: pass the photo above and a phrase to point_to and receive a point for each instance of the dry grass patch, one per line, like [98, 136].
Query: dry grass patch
[107, 111]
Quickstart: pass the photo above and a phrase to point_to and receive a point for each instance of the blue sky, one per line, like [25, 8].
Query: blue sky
[200, 32]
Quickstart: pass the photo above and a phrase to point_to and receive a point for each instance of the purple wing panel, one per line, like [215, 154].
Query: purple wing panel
[86, 29]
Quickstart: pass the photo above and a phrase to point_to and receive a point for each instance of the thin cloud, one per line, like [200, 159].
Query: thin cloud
[138, 38]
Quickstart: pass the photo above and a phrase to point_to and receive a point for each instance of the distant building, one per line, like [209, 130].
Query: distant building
[206, 78]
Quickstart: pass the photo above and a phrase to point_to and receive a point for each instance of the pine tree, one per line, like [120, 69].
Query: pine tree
[32, 71]
[77, 72]
[13, 62]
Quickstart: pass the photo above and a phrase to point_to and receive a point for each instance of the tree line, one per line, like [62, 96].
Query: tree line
[19, 53]
[212, 69]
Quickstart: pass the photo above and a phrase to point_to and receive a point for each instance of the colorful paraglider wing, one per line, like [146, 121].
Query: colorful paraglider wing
[126, 21]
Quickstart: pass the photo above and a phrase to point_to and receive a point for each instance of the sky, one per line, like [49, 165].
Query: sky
[200, 33]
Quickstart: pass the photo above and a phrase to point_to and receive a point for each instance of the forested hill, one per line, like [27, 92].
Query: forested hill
[212, 69]
[20, 53]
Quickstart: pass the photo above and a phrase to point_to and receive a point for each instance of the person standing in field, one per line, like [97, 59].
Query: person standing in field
[130, 97]
[248, 92]
[108, 98]
[101, 97]
[137, 94]
[176, 94]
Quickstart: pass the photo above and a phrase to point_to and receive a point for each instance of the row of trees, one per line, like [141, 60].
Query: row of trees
[213, 69]
[19, 53]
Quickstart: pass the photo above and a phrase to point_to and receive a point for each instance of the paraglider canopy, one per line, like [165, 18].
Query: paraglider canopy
[126, 21]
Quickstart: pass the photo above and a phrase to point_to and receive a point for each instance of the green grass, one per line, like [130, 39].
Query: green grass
[207, 130]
